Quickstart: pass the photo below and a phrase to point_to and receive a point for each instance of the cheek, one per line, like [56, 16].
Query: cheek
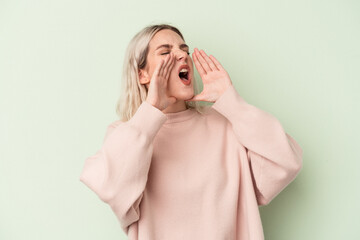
[153, 66]
[157, 62]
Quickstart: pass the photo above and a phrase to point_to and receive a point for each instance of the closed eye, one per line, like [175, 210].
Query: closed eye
[169, 52]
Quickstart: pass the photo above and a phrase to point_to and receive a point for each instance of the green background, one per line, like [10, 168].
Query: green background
[60, 66]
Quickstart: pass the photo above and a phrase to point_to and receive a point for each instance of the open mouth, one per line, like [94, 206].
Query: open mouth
[184, 76]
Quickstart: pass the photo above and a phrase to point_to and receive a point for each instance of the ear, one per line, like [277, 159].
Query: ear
[143, 76]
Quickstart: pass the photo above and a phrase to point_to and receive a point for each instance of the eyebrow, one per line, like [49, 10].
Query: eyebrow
[170, 46]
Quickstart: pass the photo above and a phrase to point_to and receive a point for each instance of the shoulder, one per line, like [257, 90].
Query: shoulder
[115, 123]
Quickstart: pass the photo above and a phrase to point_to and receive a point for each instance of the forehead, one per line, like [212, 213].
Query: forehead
[165, 36]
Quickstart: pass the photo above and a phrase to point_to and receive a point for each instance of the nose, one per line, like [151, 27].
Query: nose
[180, 54]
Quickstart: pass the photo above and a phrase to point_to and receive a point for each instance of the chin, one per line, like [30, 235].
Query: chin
[184, 95]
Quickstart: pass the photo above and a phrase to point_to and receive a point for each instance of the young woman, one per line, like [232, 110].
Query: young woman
[171, 169]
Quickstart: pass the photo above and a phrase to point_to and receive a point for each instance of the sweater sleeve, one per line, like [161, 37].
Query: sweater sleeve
[275, 157]
[118, 171]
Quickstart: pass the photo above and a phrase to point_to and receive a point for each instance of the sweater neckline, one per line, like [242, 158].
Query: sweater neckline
[180, 116]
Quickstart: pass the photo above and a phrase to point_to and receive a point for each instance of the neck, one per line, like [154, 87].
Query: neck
[178, 106]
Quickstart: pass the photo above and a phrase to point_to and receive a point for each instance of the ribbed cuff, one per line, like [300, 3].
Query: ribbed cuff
[148, 119]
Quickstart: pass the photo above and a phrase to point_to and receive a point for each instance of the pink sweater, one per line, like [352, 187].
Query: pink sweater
[184, 176]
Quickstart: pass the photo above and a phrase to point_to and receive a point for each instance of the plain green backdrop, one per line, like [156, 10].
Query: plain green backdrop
[60, 67]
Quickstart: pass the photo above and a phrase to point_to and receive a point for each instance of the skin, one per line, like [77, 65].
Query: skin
[165, 90]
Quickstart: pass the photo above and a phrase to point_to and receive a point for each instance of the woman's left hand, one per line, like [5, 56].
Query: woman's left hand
[214, 77]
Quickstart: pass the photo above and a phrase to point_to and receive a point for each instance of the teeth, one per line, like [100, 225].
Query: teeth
[184, 70]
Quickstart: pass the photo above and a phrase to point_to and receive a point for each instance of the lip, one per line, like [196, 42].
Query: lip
[185, 66]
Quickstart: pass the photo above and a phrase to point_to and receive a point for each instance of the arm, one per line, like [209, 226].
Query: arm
[118, 171]
[275, 157]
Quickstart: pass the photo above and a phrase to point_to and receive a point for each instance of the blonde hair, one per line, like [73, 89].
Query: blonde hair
[133, 93]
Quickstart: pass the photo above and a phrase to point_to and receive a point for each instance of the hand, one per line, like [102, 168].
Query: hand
[214, 77]
[158, 84]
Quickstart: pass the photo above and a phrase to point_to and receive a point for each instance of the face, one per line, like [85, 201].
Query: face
[175, 87]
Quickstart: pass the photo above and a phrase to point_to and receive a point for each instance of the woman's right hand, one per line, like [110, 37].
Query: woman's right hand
[157, 92]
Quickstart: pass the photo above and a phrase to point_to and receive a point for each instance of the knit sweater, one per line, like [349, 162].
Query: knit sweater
[186, 175]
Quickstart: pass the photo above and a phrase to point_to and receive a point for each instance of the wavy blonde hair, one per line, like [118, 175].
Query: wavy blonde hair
[133, 93]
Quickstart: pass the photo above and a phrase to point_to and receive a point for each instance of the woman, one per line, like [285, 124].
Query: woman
[172, 169]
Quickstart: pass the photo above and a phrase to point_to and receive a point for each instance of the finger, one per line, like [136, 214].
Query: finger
[203, 61]
[198, 66]
[167, 68]
[161, 72]
[197, 55]
[167, 63]
[170, 67]
[208, 60]
[158, 68]
[216, 62]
